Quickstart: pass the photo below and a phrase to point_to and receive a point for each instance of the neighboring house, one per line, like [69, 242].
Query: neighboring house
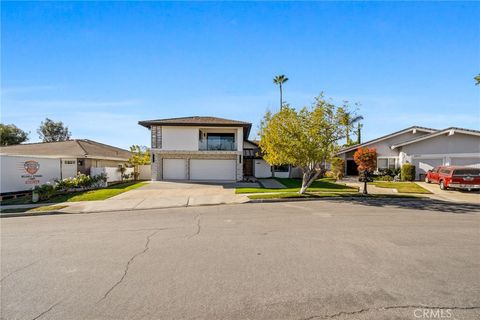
[204, 149]
[423, 147]
[77, 155]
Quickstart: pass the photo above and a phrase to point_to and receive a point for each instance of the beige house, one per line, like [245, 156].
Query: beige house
[79, 155]
[423, 147]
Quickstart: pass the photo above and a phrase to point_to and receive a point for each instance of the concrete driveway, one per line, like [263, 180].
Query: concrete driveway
[163, 194]
[304, 260]
[450, 195]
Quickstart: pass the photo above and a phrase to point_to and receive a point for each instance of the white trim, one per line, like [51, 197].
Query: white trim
[442, 155]
[449, 132]
[413, 130]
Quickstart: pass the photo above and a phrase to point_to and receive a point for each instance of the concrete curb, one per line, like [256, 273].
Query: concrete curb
[336, 198]
[49, 213]
[32, 214]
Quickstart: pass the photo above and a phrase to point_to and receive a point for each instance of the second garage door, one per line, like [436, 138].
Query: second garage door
[423, 165]
[212, 169]
[469, 162]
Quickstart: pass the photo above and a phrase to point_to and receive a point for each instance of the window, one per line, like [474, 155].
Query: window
[282, 168]
[69, 162]
[221, 141]
[387, 163]
[392, 163]
[382, 163]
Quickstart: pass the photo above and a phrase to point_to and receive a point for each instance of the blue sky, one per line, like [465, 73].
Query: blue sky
[102, 67]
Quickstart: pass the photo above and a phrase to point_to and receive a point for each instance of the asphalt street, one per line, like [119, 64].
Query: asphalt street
[341, 259]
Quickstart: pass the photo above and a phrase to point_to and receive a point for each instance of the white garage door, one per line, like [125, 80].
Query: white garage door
[174, 169]
[212, 169]
[469, 162]
[423, 165]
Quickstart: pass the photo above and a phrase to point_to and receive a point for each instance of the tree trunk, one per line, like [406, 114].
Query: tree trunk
[281, 97]
[347, 133]
[359, 134]
[309, 176]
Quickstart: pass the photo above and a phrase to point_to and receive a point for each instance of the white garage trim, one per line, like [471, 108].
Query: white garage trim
[212, 169]
[174, 169]
[466, 161]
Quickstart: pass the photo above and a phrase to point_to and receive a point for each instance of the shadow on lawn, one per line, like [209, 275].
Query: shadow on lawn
[418, 204]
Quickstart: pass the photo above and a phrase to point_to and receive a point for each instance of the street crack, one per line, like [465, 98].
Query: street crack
[349, 313]
[127, 266]
[18, 270]
[46, 311]
[198, 229]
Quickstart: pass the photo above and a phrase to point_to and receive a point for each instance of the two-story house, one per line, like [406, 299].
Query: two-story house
[197, 148]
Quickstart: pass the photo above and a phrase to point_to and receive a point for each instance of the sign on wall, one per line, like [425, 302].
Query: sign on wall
[20, 173]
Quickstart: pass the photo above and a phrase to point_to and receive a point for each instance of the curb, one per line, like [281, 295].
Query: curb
[32, 214]
[49, 213]
[336, 198]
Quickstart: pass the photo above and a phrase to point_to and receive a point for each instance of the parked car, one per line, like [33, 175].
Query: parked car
[464, 178]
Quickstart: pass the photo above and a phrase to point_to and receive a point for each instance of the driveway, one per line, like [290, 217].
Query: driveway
[303, 260]
[163, 194]
[450, 195]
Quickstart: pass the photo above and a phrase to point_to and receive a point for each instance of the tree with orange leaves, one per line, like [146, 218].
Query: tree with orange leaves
[366, 159]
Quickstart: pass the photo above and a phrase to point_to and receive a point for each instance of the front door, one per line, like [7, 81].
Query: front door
[352, 168]
[247, 167]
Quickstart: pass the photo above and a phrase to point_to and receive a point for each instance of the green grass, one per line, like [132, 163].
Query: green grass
[91, 195]
[35, 210]
[402, 187]
[47, 208]
[99, 194]
[293, 185]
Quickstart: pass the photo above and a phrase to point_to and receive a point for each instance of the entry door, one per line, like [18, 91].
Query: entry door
[69, 168]
[247, 167]
[352, 168]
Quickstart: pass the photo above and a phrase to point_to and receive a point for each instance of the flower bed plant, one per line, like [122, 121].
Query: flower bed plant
[80, 182]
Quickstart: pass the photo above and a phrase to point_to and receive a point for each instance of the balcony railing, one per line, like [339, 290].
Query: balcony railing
[217, 145]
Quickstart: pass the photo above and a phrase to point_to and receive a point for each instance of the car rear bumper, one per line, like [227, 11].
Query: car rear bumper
[464, 186]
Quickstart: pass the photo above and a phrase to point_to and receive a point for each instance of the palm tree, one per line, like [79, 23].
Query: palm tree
[279, 80]
[348, 120]
[359, 133]
[477, 79]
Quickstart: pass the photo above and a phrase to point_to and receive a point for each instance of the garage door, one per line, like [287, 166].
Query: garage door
[212, 169]
[469, 162]
[174, 169]
[423, 165]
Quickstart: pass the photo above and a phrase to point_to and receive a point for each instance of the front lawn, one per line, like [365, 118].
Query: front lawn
[98, 194]
[402, 187]
[293, 185]
[90, 195]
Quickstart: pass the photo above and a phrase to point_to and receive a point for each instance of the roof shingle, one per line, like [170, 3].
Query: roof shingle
[78, 148]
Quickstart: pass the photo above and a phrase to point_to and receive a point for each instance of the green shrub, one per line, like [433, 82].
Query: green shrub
[81, 181]
[45, 191]
[337, 167]
[408, 172]
[383, 178]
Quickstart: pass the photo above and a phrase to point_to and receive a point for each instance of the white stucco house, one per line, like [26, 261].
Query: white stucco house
[206, 148]
[423, 147]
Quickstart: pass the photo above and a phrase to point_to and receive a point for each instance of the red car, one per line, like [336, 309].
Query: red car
[454, 177]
